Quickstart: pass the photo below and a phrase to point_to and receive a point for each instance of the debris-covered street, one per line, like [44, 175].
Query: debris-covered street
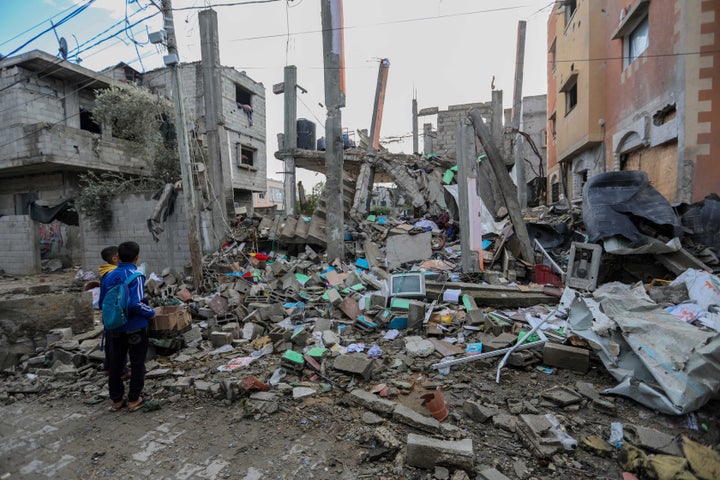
[466, 287]
[394, 365]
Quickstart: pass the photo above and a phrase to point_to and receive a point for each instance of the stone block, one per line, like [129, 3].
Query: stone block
[354, 364]
[428, 452]
[418, 347]
[334, 297]
[58, 334]
[479, 413]
[505, 421]
[218, 339]
[64, 372]
[322, 324]
[251, 331]
[178, 385]
[372, 402]
[565, 356]
[330, 338]
[233, 328]
[503, 340]
[410, 417]
[68, 358]
[491, 474]
[193, 336]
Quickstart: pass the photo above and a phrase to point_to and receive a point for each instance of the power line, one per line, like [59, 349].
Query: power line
[649, 55]
[52, 124]
[231, 4]
[391, 22]
[35, 26]
[78, 50]
[65, 19]
[322, 124]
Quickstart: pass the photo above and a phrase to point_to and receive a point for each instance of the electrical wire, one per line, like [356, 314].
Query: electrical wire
[391, 22]
[63, 20]
[230, 4]
[52, 124]
[322, 124]
[36, 26]
[79, 50]
[287, 23]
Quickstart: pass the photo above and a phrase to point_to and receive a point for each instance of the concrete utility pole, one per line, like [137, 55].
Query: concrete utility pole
[334, 63]
[517, 113]
[290, 138]
[366, 177]
[416, 140]
[217, 138]
[509, 192]
[172, 61]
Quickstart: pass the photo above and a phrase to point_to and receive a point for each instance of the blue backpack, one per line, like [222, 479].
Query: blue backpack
[116, 302]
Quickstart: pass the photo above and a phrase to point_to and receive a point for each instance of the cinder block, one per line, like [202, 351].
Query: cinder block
[219, 339]
[564, 356]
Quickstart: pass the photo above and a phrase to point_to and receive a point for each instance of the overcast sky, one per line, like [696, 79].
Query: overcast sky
[447, 51]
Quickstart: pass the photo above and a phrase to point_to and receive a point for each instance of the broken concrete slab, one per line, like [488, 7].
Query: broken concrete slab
[410, 417]
[408, 248]
[562, 396]
[418, 347]
[479, 413]
[565, 356]
[505, 422]
[491, 474]
[354, 364]
[428, 452]
[372, 402]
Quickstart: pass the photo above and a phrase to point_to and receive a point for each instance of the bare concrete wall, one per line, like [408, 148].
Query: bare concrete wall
[130, 215]
[20, 252]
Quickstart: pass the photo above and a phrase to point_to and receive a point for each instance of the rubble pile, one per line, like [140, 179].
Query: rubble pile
[466, 375]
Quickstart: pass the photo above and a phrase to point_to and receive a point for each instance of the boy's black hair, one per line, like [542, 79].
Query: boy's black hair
[127, 251]
[108, 252]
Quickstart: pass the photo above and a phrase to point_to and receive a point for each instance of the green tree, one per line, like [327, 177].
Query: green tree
[144, 119]
[312, 199]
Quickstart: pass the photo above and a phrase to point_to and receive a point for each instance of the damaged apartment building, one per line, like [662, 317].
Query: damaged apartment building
[645, 100]
[48, 139]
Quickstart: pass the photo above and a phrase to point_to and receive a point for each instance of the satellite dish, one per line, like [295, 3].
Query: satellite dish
[63, 50]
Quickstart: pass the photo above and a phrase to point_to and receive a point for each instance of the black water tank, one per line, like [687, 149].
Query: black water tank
[305, 134]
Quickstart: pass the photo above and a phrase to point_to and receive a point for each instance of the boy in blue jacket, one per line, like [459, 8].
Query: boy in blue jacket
[132, 338]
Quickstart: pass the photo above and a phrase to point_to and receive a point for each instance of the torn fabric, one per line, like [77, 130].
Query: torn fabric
[163, 209]
[64, 212]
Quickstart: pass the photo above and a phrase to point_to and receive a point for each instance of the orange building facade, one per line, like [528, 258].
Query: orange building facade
[634, 85]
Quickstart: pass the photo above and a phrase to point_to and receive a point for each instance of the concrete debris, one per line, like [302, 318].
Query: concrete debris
[428, 452]
[365, 338]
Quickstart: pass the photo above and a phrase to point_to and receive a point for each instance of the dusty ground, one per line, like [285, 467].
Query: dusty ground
[57, 435]
[67, 432]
